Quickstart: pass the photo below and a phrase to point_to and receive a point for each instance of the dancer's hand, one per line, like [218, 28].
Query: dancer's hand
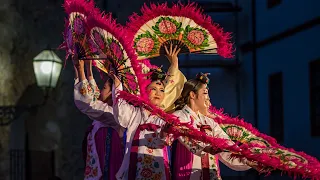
[212, 150]
[88, 64]
[78, 63]
[172, 55]
[165, 130]
[116, 80]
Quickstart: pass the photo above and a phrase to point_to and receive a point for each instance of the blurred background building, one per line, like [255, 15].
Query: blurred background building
[273, 82]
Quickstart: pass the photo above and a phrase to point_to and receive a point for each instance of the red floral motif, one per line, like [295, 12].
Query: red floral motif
[257, 142]
[196, 37]
[93, 47]
[145, 45]
[148, 159]
[98, 40]
[69, 39]
[139, 159]
[95, 172]
[235, 132]
[88, 170]
[270, 151]
[149, 150]
[90, 148]
[167, 27]
[131, 81]
[157, 176]
[89, 88]
[116, 49]
[83, 91]
[292, 157]
[146, 173]
[78, 25]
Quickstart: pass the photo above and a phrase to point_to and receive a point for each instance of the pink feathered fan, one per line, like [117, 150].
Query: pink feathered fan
[75, 39]
[185, 26]
[107, 39]
[272, 154]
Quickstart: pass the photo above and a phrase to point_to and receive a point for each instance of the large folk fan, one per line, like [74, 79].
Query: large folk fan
[184, 26]
[265, 146]
[75, 38]
[114, 54]
[262, 158]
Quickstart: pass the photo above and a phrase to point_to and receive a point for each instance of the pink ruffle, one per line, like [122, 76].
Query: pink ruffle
[106, 22]
[191, 11]
[312, 165]
[310, 170]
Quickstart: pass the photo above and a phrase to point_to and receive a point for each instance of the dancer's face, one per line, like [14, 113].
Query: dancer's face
[105, 93]
[156, 92]
[200, 98]
[205, 111]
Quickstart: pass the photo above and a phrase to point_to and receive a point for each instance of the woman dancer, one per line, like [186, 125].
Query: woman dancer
[146, 153]
[173, 81]
[196, 160]
[104, 137]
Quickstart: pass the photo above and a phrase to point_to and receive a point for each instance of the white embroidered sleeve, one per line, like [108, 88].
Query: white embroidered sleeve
[124, 112]
[96, 110]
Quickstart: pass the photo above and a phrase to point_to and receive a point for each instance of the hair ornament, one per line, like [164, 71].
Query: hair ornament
[203, 77]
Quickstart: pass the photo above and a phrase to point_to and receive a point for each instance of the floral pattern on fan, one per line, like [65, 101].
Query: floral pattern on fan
[169, 30]
[113, 58]
[195, 38]
[238, 133]
[167, 27]
[77, 23]
[69, 38]
[258, 141]
[285, 156]
[146, 44]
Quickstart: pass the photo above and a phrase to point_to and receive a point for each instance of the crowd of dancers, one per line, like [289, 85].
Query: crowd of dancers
[152, 124]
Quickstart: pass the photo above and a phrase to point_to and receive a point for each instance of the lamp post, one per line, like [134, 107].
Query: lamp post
[47, 67]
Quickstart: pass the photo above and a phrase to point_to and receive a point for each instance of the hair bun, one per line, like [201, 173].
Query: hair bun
[203, 77]
[157, 74]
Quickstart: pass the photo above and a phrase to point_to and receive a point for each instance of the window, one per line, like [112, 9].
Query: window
[273, 3]
[276, 106]
[314, 87]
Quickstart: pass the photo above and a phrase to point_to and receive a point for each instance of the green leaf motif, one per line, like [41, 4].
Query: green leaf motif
[155, 47]
[165, 35]
[201, 46]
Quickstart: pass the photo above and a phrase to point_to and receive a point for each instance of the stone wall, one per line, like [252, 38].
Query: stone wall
[26, 28]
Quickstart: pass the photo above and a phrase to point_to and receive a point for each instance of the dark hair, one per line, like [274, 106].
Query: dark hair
[110, 81]
[156, 74]
[192, 85]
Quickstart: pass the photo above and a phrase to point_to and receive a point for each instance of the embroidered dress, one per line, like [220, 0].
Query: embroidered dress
[103, 139]
[189, 160]
[146, 154]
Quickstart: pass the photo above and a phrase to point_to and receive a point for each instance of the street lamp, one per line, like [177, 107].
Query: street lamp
[47, 67]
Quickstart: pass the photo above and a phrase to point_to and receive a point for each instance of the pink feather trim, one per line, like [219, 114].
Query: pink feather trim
[192, 11]
[244, 151]
[106, 22]
[147, 63]
[81, 6]
[313, 164]
[225, 119]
